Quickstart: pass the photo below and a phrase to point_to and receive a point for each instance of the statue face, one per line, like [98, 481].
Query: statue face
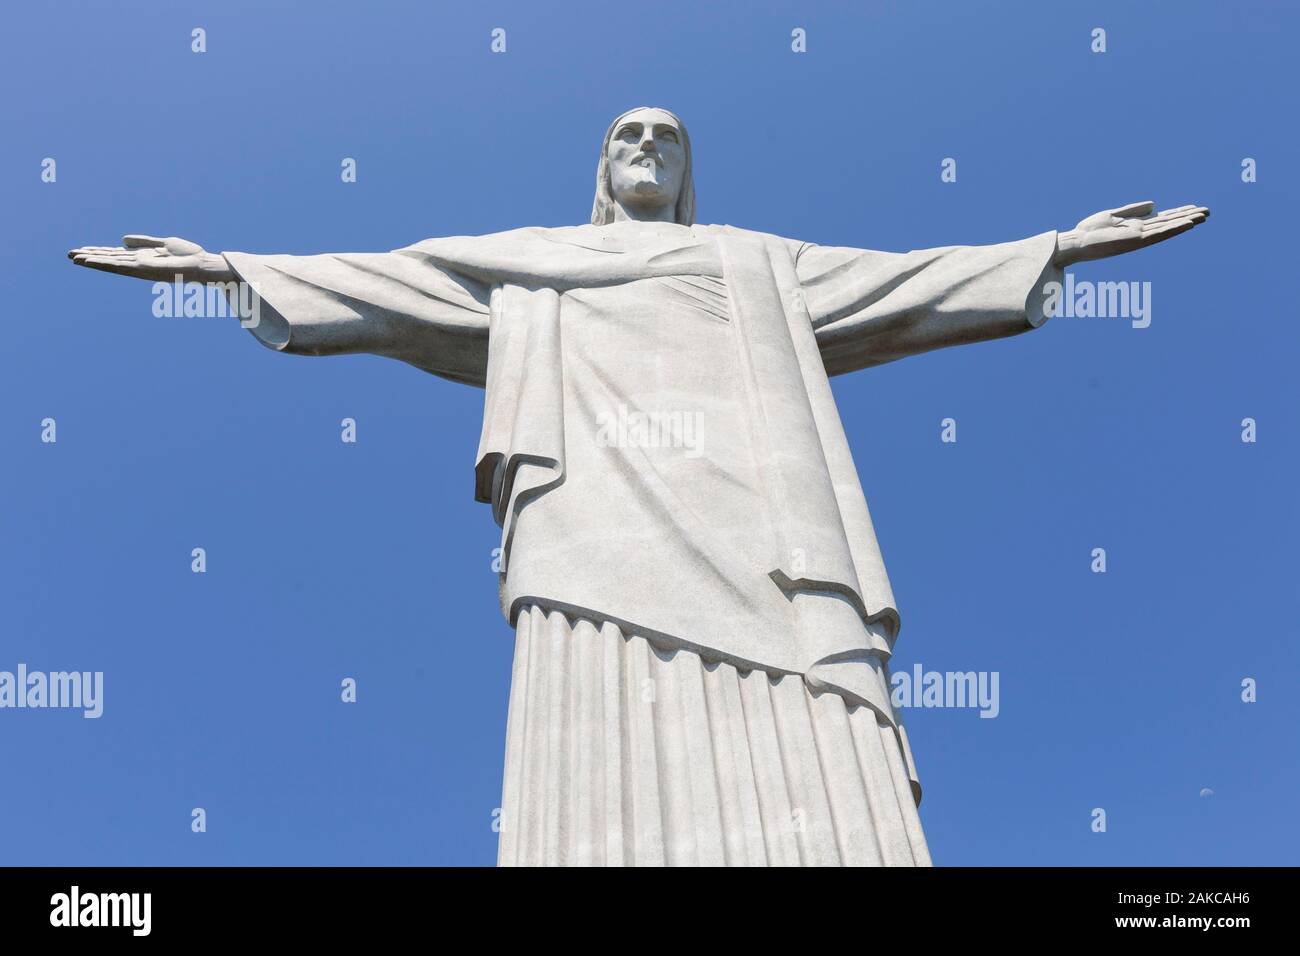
[647, 161]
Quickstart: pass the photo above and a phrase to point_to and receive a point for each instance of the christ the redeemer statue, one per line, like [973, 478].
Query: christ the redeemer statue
[703, 620]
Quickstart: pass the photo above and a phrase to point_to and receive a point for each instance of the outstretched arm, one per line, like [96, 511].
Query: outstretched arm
[394, 304]
[868, 307]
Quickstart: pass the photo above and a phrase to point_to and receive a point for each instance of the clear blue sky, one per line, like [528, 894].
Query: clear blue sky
[371, 560]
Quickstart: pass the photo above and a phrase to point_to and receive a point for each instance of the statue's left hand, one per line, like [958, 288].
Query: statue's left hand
[1113, 232]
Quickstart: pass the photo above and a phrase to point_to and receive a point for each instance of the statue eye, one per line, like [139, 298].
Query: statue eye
[669, 135]
[627, 133]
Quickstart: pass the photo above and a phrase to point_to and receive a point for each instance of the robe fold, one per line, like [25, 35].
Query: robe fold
[660, 444]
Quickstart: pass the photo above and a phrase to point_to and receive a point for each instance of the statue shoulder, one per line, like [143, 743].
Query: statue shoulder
[791, 246]
[509, 240]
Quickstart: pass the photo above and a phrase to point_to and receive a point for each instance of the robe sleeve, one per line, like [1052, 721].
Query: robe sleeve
[868, 308]
[394, 304]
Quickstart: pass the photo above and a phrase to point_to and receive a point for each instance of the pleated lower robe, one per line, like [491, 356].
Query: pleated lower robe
[622, 753]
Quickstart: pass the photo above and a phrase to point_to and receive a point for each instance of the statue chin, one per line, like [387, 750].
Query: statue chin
[645, 197]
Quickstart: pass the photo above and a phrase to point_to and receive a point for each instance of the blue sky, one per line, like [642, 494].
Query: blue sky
[326, 560]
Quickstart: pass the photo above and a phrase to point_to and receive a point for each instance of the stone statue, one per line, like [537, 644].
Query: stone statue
[703, 619]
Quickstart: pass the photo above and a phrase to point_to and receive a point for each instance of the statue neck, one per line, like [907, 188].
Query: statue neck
[664, 213]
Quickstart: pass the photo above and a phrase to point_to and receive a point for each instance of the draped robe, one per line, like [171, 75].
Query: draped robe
[746, 542]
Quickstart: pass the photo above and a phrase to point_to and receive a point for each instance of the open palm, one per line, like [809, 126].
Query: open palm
[1113, 232]
[149, 257]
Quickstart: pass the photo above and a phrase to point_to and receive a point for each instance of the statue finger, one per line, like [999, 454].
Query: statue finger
[1159, 221]
[1172, 211]
[92, 251]
[137, 242]
[181, 247]
[123, 258]
[102, 263]
[1166, 214]
[1192, 219]
[1165, 232]
[1134, 209]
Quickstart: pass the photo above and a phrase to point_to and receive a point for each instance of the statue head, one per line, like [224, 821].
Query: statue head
[645, 170]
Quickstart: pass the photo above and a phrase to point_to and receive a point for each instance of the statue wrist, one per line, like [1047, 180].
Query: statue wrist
[215, 268]
[1067, 248]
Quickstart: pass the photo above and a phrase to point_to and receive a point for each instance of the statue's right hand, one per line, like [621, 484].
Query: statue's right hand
[148, 257]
